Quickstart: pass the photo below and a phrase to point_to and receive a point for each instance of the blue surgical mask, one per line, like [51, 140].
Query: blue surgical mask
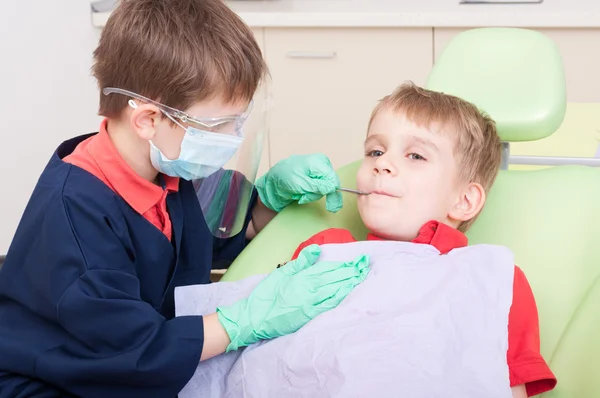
[202, 153]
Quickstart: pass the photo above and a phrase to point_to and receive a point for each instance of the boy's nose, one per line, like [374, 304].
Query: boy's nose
[383, 166]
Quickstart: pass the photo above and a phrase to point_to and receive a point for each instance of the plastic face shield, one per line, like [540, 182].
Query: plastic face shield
[225, 195]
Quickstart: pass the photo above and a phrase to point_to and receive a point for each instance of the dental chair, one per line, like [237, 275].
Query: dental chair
[547, 216]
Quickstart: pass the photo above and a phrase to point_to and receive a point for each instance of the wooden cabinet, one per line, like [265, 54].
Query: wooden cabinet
[580, 49]
[326, 81]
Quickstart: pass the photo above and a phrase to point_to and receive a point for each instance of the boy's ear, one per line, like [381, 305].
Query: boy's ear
[144, 119]
[469, 204]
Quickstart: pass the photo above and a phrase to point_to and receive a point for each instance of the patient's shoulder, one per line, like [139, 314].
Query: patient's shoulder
[331, 235]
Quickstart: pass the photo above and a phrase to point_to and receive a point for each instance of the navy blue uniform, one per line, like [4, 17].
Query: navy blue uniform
[86, 292]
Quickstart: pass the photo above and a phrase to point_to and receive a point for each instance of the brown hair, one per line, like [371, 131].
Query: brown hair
[178, 52]
[477, 145]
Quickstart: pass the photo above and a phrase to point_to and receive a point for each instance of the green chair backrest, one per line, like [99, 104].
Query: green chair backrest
[515, 75]
[547, 217]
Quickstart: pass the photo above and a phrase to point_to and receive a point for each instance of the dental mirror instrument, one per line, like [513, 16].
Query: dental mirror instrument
[355, 191]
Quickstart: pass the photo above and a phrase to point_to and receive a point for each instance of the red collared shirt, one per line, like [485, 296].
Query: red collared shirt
[525, 362]
[98, 156]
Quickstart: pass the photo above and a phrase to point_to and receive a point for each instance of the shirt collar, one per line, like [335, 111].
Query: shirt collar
[439, 235]
[138, 192]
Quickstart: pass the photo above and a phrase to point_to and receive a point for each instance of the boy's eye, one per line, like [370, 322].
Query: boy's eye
[415, 156]
[375, 153]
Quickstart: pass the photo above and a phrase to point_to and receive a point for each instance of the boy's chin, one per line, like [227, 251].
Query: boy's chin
[385, 230]
[387, 225]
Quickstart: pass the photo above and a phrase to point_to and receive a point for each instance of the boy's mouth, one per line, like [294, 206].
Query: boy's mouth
[383, 193]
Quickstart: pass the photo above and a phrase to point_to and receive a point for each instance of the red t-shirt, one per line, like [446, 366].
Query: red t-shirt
[525, 362]
[98, 156]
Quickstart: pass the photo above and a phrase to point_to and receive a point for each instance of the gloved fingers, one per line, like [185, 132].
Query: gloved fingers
[332, 297]
[362, 264]
[334, 202]
[306, 258]
[323, 184]
[322, 177]
[307, 197]
[314, 190]
[327, 274]
[306, 189]
[333, 294]
[300, 178]
[325, 280]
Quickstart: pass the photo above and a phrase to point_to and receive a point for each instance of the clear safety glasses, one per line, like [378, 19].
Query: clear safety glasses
[230, 125]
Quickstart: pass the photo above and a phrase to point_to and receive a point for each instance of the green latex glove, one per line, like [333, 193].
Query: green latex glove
[291, 296]
[300, 178]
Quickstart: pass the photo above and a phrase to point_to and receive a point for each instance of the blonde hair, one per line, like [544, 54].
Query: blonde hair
[178, 52]
[478, 148]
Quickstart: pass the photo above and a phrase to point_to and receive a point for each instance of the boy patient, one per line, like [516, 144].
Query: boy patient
[429, 161]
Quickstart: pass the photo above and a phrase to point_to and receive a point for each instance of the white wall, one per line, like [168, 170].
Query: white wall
[48, 94]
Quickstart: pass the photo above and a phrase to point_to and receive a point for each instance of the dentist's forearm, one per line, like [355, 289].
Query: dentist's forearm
[216, 338]
[261, 216]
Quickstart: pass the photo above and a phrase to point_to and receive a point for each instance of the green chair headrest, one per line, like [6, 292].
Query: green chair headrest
[514, 75]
